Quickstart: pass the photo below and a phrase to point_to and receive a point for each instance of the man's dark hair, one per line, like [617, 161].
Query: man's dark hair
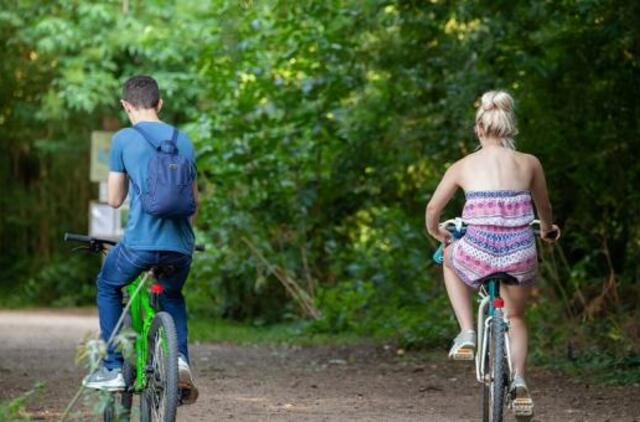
[141, 91]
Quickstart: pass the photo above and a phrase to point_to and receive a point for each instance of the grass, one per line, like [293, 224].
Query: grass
[222, 331]
[14, 410]
[601, 368]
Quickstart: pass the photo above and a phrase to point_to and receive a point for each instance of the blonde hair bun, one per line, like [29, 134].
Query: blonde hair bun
[497, 99]
[496, 117]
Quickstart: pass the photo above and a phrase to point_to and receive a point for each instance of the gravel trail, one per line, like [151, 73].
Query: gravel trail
[285, 383]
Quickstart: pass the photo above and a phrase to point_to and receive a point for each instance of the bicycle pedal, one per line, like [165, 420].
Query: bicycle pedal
[522, 407]
[464, 354]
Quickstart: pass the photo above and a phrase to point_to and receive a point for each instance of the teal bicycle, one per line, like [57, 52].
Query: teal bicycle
[494, 370]
[152, 369]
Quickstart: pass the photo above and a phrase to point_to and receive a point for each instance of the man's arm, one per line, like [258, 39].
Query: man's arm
[117, 188]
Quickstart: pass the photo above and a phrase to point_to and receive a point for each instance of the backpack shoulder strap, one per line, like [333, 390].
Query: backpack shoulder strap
[146, 136]
[174, 136]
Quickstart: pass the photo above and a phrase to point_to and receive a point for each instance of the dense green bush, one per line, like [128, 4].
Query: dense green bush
[388, 288]
[66, 281]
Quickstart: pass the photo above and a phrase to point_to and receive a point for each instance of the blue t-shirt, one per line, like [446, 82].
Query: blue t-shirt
[130, 154]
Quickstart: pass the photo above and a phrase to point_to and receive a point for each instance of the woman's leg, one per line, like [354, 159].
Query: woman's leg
[515, 299]
[460, 297]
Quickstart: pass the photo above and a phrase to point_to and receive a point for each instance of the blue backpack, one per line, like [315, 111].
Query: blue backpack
[170, 176]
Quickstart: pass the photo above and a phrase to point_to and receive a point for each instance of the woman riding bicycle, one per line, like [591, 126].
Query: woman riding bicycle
[499, 184]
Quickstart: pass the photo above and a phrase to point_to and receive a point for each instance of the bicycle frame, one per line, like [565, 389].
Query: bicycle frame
[142, 312]
[486, 313]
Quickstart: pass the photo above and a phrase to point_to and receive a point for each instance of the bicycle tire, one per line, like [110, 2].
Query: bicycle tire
[498, 375]
[160, 404]
[486, 386]
[145, 407]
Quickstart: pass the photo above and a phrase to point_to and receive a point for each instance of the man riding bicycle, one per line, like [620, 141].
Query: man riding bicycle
[150, 238]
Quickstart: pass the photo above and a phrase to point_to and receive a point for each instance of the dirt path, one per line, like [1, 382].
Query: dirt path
[356, 383]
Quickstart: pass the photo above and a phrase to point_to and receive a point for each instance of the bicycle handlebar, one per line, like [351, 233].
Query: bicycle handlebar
[72, 237]
[456, 225]
[97, 244]
[457, 228]
[551, 234]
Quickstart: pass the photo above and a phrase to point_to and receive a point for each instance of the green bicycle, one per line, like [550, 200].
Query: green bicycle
[152, 369]
[494, 370]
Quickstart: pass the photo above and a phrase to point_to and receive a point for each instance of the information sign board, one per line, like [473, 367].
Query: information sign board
[100, 143]
[104, 221]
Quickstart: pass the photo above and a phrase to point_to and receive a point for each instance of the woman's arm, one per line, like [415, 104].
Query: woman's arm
[541, 199]
[440, 198]
[540, 195]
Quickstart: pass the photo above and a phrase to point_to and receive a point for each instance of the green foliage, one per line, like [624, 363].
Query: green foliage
[66, 281]
[388, 289]
[14, 410]
[322, 128]
[60, 79]
[295, 333]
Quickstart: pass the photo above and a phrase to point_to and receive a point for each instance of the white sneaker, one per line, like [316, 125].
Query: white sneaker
[105, 379]
[188, 391]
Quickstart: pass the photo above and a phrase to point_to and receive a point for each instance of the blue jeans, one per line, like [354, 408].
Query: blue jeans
[120, 268]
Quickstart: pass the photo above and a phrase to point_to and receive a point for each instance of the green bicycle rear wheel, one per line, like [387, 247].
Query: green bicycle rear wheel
[159, 400]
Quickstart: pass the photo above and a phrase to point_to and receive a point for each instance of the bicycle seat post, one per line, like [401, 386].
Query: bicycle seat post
[494, 295]
[492, 283]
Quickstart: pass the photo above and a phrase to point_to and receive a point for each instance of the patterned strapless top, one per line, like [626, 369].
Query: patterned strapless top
[498, 238]
[502, 208]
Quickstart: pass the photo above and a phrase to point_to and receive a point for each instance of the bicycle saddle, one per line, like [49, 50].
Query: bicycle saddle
[162, 270]
[502, 277]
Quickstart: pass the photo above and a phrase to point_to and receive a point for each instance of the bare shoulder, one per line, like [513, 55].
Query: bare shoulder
[458, 172]
[528, 160]
[458, 166]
